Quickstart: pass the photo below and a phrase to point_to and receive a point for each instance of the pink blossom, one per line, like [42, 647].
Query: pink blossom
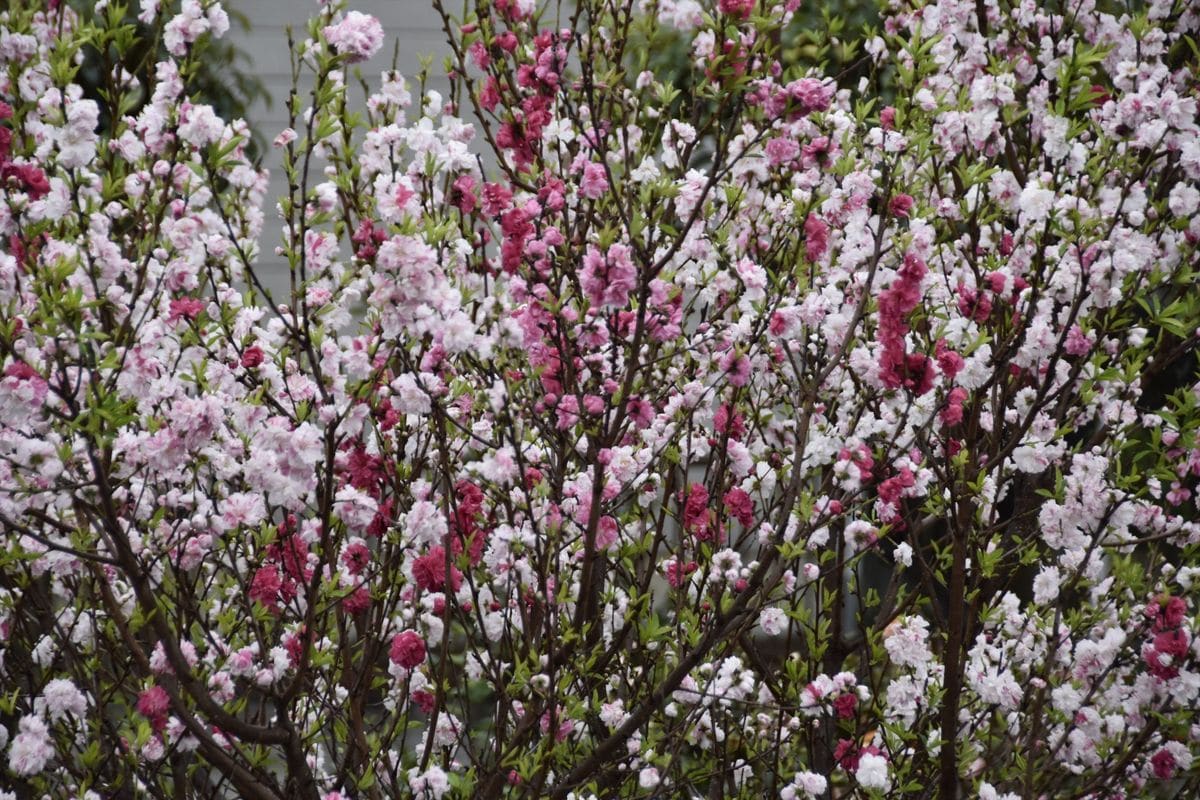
[24, 382]
[607, 533]
[736, 367]
[32, 747]
[564, 728]
[265, 586]
[594, 183]
[1077, 343]
[185, 308]
[736, 8]
[506, 41]
[356, 36]
[900, 205]
[608, 280]
[845, 705]
[358, 601]
[567, 412]
[740, 506]
[429, 571]
[252, 356]
[948, 361]
[811, 94]
[676, 572]
[153, 704]
[781, 151]
[1163, 763]
[407, 650]
[479, 54]
[356, 556]
[1178, 494]
[816, 237]
[952, 414]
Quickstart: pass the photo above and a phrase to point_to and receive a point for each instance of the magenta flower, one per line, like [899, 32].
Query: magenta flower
[407, 650]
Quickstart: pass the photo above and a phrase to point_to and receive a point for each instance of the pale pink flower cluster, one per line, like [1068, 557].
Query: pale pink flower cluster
[356, 36]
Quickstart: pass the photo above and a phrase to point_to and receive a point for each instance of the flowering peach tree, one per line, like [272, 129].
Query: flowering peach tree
[747, 436]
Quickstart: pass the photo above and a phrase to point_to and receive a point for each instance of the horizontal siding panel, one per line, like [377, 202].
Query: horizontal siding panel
[272, 118]
[410, 13]
[267, 51]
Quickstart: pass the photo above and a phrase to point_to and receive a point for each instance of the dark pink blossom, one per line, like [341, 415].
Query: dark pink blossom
[252, 356]
[407, 650]
[729, 421]
[676, 572]
[31, 178]
[358, 601]
[952, 414]
[816, 237]
[697, 518]
[948, 361]
[489, 95]
[356, 556]
[818, 153]
[496, 199]
[462, 194]
[845, 705]
[740, 506]
[640, 411]
[265, 586]
[185, 308]
[974, 304]
[736, 8]
[153, 704]
[891, 489]
[900, 205]
[1163, 763]
[429, 571]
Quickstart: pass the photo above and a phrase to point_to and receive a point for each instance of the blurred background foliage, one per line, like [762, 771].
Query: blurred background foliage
[826, 38]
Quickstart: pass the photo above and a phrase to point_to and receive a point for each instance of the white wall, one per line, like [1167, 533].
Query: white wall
[413, 24]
